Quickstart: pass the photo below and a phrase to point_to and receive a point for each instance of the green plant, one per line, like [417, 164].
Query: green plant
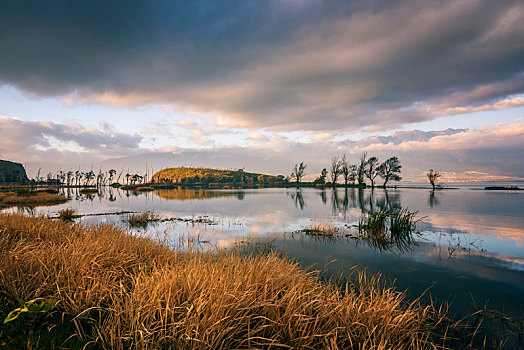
[33, 307]
[373, 225]
[386, 229]
[402, 222]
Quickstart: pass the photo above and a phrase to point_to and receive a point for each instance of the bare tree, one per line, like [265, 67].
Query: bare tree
[321, 180]
[78, 176]
[347, 170]
[334, 170]
[298, 172]
[361, 169]
[69, 177]
[390, 170]
[432, 177]
[371, 170]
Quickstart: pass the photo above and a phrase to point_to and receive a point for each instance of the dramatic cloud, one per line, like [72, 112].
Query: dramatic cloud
[52, 143]
[460, 154]
[282, 65]
[468, 155]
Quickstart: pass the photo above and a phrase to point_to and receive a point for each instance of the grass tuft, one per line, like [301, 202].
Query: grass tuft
[67, 214]
[142, 219]
[320, 229]
[386, 229]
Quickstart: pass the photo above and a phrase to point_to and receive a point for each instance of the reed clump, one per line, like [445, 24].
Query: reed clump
[67, 214]
[124, 291]
[30, 198]
[320, 229]
[387, 229]
[142, 219]
[389, 225]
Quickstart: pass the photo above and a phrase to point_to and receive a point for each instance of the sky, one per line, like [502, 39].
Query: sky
[263, 85]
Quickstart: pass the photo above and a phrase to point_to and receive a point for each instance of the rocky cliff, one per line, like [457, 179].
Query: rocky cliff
[11, 172]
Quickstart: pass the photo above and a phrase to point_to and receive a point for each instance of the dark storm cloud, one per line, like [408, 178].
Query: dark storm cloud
[285, 64]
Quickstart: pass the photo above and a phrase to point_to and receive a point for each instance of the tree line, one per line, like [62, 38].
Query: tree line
[90, 178]
[369, 168]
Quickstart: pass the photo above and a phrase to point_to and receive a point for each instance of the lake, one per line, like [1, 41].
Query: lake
[470, 250]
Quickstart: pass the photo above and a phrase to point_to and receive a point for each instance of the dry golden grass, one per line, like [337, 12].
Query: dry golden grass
[142, 219]
[321, 229]
[38, 198]
[130, 292]
[67, 214]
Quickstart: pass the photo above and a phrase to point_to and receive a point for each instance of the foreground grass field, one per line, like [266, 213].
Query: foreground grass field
[116, 291]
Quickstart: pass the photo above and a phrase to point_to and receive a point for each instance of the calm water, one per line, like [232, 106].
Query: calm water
[470, 249]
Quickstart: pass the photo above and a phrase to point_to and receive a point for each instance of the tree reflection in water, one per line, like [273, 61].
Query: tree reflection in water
[371, 202]
[298, 198]
[433, 201]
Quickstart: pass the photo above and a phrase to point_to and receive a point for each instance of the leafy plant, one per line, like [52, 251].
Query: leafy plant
[34, 307]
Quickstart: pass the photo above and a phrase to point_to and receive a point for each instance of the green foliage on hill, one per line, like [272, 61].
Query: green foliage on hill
[183, 175]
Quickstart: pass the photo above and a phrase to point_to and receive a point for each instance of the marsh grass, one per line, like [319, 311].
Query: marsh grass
[386, 229]
[320, 229]
[31, 198]
[122, 291]
[67, 214]
[142, 219]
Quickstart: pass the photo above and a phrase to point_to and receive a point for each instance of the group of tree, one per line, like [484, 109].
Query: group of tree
[369, 168]
[89, 178]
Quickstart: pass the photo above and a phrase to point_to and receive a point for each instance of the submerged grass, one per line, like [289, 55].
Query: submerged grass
[388, 225]
[121, 291]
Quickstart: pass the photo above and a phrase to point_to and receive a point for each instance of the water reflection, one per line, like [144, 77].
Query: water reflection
[298, 199]
[201, 194]
[344, 199]
[433, 200]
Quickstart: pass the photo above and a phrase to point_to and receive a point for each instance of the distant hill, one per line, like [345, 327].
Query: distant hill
[11, 172]
[183, 175]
